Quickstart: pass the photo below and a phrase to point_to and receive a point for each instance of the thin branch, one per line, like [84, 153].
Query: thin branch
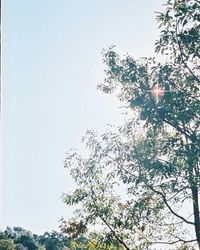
[184, 188]
[183, 55]
[116, 236]
[166, 203]
[107, 224]
[164, 199]
[173, 242]
[188, 135]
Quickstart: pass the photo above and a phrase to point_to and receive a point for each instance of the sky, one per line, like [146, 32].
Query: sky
[52, 63]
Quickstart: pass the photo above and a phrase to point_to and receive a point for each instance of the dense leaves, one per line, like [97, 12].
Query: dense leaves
[7, 244]
[21, 239]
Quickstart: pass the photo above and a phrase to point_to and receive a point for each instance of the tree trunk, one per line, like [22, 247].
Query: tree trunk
[196, 212]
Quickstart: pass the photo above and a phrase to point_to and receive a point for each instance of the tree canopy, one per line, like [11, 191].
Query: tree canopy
[140, 182]
[22, 239]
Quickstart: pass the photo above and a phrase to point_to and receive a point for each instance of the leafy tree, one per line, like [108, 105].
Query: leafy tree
[53, 241]
[7, 244]
[154, 156]
[20, 247]
[27, 241]
[22, 239]
[7, 234]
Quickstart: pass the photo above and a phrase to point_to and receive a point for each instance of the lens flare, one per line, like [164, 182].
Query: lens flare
[157, 91]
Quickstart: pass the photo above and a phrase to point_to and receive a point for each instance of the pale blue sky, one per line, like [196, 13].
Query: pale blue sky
[52, 63]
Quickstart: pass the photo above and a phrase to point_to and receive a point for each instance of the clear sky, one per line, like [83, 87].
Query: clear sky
[52, 63]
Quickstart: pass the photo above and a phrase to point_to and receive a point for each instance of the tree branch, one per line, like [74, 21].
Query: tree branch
[116, 236]
[183, 55]
[107, 224]
[166, 203]
[173, 242]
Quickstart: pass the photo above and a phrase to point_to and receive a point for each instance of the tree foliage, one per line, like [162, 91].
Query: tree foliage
[7, 244]
[154, 156]
[22, 239]
[53, 241]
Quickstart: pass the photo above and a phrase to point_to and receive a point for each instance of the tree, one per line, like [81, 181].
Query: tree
[27, 241]
[22, 239]
[53, 241]
[154, 156]
[7, 244]
[20, 247]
